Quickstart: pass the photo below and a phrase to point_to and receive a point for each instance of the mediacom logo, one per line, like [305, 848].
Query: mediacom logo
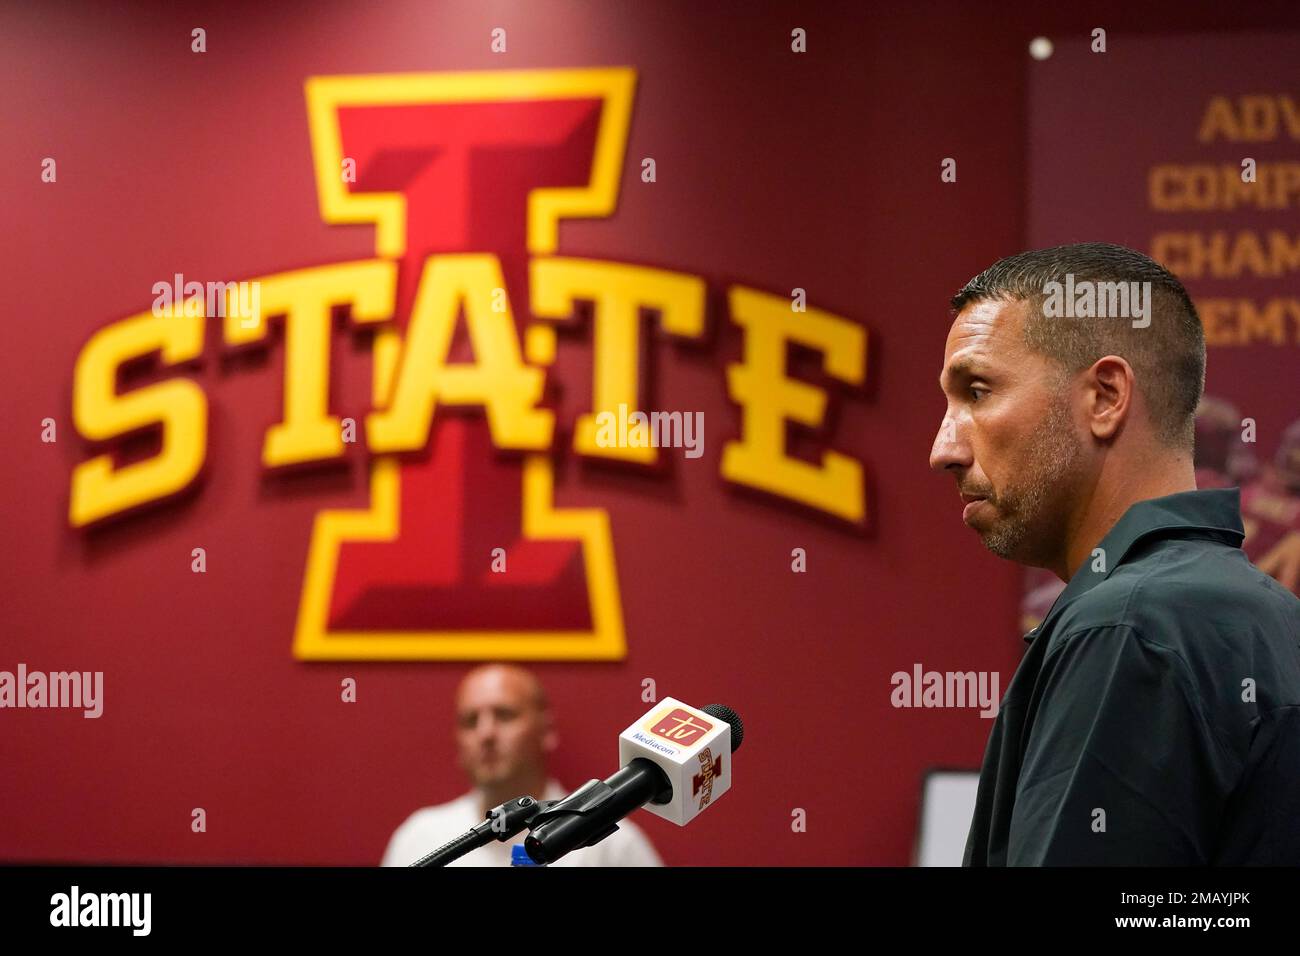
[465, 178]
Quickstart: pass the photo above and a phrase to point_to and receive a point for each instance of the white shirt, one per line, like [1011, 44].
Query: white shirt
[429, 828]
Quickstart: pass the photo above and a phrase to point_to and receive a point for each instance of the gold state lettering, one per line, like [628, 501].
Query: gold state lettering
[506, 377]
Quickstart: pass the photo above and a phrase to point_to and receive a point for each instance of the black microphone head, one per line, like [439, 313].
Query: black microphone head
[723, 712]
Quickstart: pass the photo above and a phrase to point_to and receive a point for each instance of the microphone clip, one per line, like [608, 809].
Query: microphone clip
[513, 817]
[586, 801]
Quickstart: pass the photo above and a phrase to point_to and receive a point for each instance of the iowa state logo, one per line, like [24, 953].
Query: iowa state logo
[465, 178]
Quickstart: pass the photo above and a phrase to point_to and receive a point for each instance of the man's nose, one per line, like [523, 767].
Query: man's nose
[950, 449]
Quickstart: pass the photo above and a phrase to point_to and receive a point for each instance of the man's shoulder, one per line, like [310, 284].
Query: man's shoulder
[432, 816]
[1194, 587]
[1205, 612]
[427, 827]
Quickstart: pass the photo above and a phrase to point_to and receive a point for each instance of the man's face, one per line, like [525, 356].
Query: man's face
[1008, 436]
[502, 732]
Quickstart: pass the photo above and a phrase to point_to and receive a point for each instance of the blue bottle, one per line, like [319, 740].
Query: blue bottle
[519, 857]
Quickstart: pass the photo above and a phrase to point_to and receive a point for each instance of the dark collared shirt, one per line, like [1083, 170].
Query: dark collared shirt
[1155, 718]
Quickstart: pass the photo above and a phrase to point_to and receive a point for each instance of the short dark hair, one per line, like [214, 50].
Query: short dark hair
[1168, 356]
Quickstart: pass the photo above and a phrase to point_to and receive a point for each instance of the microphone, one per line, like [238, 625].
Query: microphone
[676, 762]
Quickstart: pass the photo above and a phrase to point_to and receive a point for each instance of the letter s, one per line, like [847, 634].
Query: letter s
[100, 413]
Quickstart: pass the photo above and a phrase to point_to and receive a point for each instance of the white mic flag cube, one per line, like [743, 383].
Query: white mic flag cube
[693, 748]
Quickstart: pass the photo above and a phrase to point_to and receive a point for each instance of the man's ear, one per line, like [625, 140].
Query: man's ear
[1110, 394]
[550, 738]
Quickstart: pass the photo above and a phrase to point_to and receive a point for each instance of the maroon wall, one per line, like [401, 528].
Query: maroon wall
[775, 170]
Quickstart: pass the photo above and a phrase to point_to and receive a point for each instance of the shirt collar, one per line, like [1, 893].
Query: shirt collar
[1215, 511]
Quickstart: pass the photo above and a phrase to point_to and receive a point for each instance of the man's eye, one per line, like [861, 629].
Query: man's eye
[977, 392]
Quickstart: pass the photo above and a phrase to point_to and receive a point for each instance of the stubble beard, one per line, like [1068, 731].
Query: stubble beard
[1026, 522]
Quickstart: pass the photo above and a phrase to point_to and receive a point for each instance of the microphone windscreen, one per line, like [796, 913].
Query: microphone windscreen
[723, 712]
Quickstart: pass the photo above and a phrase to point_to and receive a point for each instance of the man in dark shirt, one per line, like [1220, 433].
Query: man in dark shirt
[1155, 718]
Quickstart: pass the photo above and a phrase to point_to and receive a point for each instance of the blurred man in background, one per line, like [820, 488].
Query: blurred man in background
[504, 733]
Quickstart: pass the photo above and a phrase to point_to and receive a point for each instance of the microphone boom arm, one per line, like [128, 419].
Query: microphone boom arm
[501, 823]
